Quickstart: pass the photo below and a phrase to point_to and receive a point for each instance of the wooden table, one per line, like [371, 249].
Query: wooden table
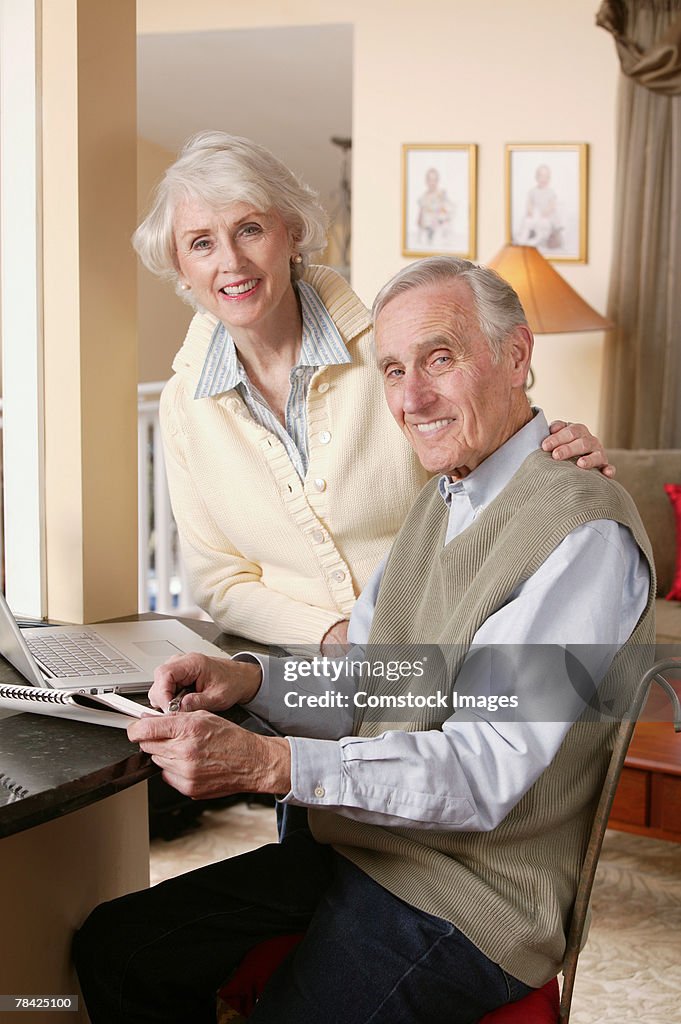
[648, 800]
[73, 833]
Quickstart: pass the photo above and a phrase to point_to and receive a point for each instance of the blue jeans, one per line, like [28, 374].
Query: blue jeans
[289, 819]
[161, 954]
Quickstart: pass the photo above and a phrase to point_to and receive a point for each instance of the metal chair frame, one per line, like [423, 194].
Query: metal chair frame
[600, 823]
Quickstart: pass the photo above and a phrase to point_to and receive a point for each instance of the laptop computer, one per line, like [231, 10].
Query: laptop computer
[107, 657]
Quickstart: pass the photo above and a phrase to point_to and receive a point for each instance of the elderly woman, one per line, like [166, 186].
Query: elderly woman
[288, 478]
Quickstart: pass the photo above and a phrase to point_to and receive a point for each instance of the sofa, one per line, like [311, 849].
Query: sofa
[644, 473]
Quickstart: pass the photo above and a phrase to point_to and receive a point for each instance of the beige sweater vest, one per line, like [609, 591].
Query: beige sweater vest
[509, 890]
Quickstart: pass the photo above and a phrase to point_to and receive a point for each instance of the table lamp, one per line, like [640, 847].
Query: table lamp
[551, 305]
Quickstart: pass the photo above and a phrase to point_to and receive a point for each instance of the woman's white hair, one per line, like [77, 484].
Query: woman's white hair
[496, 304]
[219, 169]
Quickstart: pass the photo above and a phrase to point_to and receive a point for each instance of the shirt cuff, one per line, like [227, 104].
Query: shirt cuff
[316, 771]
[259, 705]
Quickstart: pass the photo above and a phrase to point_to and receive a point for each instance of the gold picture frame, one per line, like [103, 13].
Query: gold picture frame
[439, 199]
[546, 198]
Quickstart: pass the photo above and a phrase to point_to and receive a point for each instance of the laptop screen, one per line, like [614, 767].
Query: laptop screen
[13, 647]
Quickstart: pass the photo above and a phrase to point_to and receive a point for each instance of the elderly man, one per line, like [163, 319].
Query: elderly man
[436, 879]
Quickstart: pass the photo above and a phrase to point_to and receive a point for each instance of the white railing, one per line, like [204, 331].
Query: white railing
[162, 585]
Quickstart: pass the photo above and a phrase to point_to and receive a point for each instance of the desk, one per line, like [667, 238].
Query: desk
[73, 832]
[648, 799]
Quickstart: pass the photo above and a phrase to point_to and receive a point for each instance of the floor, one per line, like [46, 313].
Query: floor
[630, 970]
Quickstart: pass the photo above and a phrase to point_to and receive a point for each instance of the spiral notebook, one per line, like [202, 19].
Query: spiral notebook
[97, 708]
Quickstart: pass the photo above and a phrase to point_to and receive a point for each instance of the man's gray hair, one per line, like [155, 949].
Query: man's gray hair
[219, 169]
[497, 306]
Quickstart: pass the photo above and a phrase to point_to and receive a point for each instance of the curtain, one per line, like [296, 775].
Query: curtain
[642, 360]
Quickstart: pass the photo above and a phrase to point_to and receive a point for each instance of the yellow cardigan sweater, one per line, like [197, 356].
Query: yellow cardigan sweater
[268, 556]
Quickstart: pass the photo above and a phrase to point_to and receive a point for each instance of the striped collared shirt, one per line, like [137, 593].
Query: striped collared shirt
[322, 346]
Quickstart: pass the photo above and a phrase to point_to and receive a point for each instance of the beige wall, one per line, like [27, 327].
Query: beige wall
[162, 316]
[488, 72]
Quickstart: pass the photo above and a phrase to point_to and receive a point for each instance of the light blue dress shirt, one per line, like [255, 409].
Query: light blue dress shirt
[322, 345]
[590, 592]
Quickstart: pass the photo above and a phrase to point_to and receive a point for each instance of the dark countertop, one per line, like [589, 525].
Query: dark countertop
[51, 766]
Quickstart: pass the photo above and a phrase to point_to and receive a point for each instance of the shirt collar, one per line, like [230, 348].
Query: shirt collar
[491, 476]
[322, 345]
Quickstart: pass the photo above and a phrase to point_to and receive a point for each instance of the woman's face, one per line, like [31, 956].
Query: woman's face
[236, 260]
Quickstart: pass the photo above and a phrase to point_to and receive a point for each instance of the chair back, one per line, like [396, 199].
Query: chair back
[600, 823]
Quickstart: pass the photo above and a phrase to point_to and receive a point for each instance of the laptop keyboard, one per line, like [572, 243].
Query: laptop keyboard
[78, 654]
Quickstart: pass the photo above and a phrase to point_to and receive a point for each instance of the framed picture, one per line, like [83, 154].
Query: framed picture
[439, 208]
[546, 198]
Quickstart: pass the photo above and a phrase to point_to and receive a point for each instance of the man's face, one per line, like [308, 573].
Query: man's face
[453, 403]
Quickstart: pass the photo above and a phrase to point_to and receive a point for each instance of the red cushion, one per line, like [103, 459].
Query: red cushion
[245, 986]
[539, 1007]
[242, 990]
[674, 495]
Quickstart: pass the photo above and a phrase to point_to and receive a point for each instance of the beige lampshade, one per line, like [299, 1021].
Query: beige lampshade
[551, 305]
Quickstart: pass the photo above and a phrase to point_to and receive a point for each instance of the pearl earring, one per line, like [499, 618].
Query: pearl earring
[297, 258]
[184, 286]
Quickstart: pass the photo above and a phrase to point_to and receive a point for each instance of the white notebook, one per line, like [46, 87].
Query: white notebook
[97, 708]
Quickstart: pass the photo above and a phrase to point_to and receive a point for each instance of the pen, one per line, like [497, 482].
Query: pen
[176, 702]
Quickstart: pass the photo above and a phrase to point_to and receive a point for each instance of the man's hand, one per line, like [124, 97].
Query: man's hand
[335, 642]
[219, 682]
[204, 756]
[568, 440]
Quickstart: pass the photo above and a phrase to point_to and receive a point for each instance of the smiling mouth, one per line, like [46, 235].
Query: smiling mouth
[235, 291]
[430, 428]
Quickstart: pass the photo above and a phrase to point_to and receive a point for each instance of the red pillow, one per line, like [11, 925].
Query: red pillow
[248, 980]
[674, 495]
[539, 1007]
[239, 995]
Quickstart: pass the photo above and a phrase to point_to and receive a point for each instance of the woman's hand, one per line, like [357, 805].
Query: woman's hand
[568, 440]
[219, 683]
